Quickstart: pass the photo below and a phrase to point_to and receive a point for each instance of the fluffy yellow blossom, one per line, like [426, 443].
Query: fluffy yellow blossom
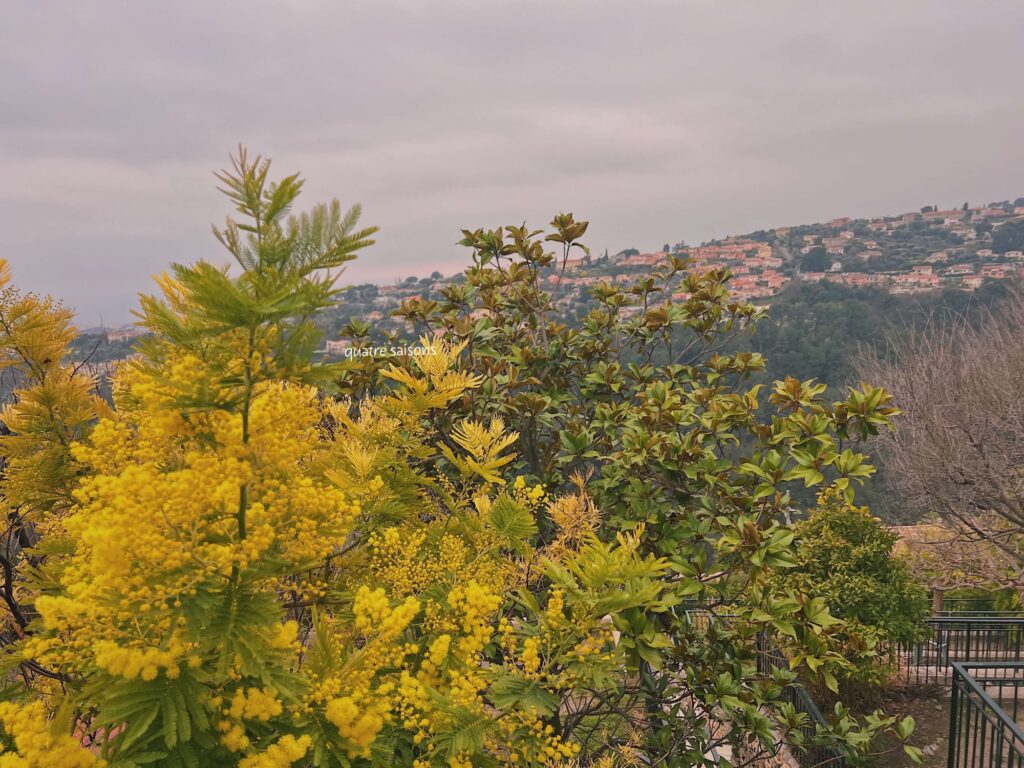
[439, 649]
[138, 662]
[282, 754]
[360, 724]
[35, 744]
[234, 737]
[531, 655]
[285, 634]
[477, 605]
[554, 613]
[156, 522]
[254, 704]
[374, 613]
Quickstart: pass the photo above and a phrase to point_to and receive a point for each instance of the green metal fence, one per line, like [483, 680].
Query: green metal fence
[985, 712]
[993, 639]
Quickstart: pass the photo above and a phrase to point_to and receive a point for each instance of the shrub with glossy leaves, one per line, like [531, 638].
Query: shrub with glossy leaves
[845, 555]
[641, 400]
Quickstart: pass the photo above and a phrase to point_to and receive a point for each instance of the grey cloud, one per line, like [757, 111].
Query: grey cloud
[656, 120]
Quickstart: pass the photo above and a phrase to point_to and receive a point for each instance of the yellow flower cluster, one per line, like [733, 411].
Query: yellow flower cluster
[358, 722]
[438, 653]
[285, 635]
[156, 521]
[414, 703]
[553, 751]
[138, 662]
[409, 561]
[531, 656]
[477, 606]
[234, 738]
[355, 702]
[397, 561]
[35, 744]
[530, 742]
[254, 704]
[282, 754]
[554, 614]
[258, 704]
[374, 614]
[527, 494]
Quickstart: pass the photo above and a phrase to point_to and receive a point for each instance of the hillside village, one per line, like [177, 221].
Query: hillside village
[910, 253]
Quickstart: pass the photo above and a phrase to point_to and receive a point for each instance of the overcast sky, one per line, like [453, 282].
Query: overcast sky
[657, 121]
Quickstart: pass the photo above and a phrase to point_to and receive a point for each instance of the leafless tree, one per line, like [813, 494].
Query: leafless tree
[958, 449]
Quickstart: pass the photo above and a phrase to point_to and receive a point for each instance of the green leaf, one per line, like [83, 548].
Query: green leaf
[914, 753]
[905, 727]
[512, 521]
[508, 692]
[830, 681]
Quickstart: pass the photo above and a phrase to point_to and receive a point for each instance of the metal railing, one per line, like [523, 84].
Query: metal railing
[981, 655]
[972, 605]
[984, 714]
[957, 639]
[813, 756]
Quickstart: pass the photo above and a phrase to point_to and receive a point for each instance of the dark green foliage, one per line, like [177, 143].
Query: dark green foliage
[817, 330]
[815, 260]
[1009, 237]
[844, 554]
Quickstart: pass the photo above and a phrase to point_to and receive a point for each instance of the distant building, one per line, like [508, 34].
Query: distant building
[337, 346]
[933, 215]
[123, 334]
[643, 260]
[960, 269]
[973, 281]
[998, 271]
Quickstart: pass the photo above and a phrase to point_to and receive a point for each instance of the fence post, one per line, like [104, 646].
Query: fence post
[954, 730]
